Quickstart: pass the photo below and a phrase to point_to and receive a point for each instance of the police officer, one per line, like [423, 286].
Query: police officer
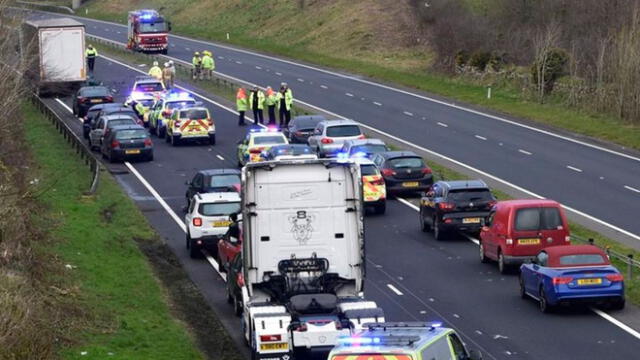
[271, 100]
[208, 64]
[155, 71]
[284, 102]
[196, 61]
[241, 105]
[91, 54]
[256, 103]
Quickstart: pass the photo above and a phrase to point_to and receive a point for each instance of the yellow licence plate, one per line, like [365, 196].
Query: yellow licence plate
[96, 100]
[529, 241]
[471, 220]
[594, 281]
[276, 346]
[134, 151]
[221, 223]
[410, 184]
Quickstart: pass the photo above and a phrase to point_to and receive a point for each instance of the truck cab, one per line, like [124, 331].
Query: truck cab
[148, 31]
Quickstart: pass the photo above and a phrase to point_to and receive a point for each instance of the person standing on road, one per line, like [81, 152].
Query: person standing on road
[256, 103]
[208, 65]
[91, 54]
[271, 100]
[196, 61]
[285, 101]
[172, 68]
[167, 76]
[241, 105]
[155, 71]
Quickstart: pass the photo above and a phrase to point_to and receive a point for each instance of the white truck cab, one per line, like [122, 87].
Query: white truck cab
[208, 219]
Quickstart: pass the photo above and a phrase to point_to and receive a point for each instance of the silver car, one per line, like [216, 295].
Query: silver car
[329, 136]
[104, 124]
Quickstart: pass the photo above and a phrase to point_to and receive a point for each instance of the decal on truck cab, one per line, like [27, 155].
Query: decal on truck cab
[301, 226]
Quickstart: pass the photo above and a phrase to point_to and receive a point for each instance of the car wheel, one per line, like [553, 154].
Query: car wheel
[194, 251]
[111, 158]
[423, 224]
[523, 292]
[502, 267]
[219, 261]
[543, 302]
[437, 232]
[381, 208]
[483, 256]
[188, 242]
[212, 139]
[150, 157]
[229, 297]
[237, 307]
[174, 140]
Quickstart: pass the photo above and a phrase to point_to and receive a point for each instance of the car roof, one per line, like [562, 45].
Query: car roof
[126, 127]
[110, 110]
[94, 87]
[519, 203]
[290, 146]
[337, 122]
[218, 197]
[117, 116]
[194, 108]
[393, 339]
[464, 184]
[363, 161]
[106, 105]
[213, 172]
[309, 117]
[397, 154]
[258, 134]
[555, 252]
[358, 142]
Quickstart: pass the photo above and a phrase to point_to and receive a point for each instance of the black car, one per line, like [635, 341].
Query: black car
[92, 115]
[235, 281]
[289, 151]
[301, 127]
[456, 205]
[127, 141]
[88, 96]
[213, 180]
[403, 171]
[123, 110]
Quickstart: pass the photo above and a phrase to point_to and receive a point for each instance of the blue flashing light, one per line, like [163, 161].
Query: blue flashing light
[357, 341]
[360, 154]
[435, 324]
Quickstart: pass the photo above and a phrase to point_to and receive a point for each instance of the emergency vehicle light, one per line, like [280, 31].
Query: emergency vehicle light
[360, 154]
[355, 341]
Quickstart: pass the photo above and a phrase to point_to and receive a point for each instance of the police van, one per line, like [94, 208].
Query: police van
[403, 341]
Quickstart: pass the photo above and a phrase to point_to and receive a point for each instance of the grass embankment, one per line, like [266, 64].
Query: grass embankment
[128, 314]
[314, 34]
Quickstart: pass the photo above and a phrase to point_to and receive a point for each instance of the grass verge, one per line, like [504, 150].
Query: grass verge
[505, 99]
[99, 238]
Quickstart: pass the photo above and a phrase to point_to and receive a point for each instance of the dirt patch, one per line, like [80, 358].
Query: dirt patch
[187, 302]
[108, 212]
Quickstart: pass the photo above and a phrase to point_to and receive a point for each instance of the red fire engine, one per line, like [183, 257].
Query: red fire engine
[148, 31]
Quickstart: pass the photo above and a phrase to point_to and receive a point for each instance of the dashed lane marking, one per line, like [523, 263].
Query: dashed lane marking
[574, 168]
[395, 290]
[524, 152]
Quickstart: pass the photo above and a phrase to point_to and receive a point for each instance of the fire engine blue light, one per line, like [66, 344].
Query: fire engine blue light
[360, 154]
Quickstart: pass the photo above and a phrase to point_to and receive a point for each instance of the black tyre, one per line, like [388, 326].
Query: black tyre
[424, 226]
[175, 141]
[237, 307]
[617, 304]
[212, 139]
[229, 297]
[483, 257]
[502, 267]
[437, 231]
[523, 292]
[194, 251]
[381, 208]
[544, 303]
[150, 157]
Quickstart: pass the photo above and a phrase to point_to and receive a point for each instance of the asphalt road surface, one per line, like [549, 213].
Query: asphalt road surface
[409, 274]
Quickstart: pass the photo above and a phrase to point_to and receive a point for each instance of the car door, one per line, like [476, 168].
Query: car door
[96, 133]
[488, 234]
[315, 137]
[534, 273]
[437, 350]
[195, 186]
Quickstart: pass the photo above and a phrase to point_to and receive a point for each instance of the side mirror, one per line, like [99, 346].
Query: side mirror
[475, 355]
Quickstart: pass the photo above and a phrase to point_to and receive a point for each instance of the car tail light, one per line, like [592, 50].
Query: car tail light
[615, 277]
[240, 280]
[115, 144]
[491, 204]
[567, 239]
[426, 171]
[447, 221]
[298, 133]
[257, 150]
[379, 181]
[197, 221]
[388, 172]
[362, 137]
[147, 142]
[446, 206]
[109, 98]
[562, 280]
[326, 141]
[265, 338]
[83, 99]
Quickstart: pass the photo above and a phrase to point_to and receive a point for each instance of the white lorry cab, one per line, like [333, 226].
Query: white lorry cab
[303, 257]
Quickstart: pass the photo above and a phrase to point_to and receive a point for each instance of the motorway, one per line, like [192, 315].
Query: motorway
[600, 181]
[409, 274]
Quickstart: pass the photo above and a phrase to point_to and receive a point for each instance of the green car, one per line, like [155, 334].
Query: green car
[163, 108]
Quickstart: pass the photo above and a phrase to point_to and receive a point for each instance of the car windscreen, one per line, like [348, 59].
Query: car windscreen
[369, 169]
[219, 209]
[275, 139]
[224, 180]
[470, 195]
[306, 124]
[531, 219]
[149, 87]
[369, 149]
[152, 27]
[119, 122]
[194, 114]
[131, 134]
[343, 131]
[406, 162]
[583, 259]
[95, 92]
[179, 104]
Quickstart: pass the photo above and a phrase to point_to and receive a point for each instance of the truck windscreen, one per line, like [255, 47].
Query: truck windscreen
[152, 27]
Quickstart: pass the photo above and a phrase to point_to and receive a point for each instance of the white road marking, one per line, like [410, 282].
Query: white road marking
[631, 188]
[301, 80]
[324, 86]
[118, 32]
[524, 152]
[258, 67]
[480, 137]
[220, 57]
[407, 113]
[617, 322]
[377, 103]
[573, 168]
[220, 157]
[395, 290]
[349, 94]
[214, 264]
[238, 62]
[442, 124]
[188, 49]
[279, 74]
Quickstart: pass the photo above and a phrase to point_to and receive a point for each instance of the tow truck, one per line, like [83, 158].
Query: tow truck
[148, 31]
[303, 260]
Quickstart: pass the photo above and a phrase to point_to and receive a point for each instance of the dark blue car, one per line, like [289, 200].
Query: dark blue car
[572, 274]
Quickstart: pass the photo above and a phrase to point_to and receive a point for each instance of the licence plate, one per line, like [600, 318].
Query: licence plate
[410, 184]
[222, 223]
[276, 346]
[594, 281]
[534, 241]
[96, 100]
[134, 151]
[471, 220]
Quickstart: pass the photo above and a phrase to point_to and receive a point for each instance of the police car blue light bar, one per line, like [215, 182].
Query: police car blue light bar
[359, 341]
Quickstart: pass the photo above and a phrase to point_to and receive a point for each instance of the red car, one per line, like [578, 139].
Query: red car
[516, 231]
[229, 246]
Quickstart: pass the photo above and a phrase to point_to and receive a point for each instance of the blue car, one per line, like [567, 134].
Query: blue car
[572, 274]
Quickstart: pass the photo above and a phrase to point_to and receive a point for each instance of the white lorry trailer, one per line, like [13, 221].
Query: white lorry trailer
[53, 54]
[303, 257]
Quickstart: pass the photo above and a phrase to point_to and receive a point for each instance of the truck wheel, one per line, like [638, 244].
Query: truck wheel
[212, 139]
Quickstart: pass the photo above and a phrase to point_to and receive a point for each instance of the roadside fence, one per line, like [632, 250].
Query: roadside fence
[627, 259]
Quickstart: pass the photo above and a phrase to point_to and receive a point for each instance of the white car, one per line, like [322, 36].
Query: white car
[208, 219]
